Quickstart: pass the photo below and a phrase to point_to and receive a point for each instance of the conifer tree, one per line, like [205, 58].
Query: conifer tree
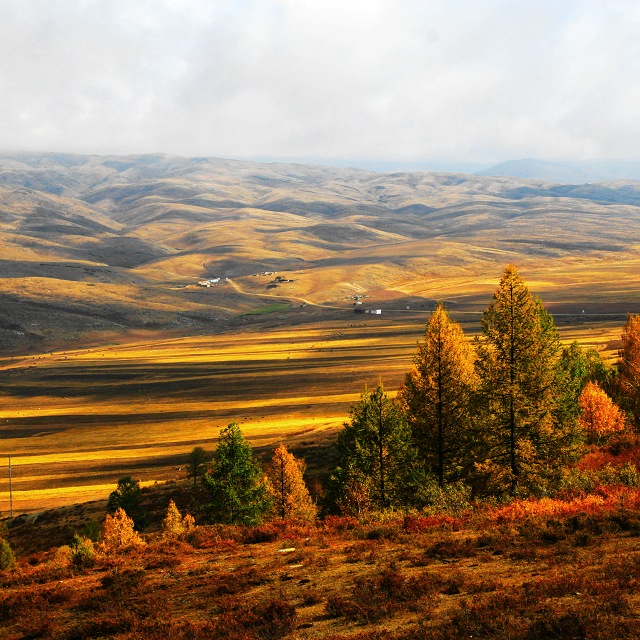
[128, 496]
[291, 499]
[520, 385]
[629, 366]
[197, 464]
[437, 396]
[237, 487]
[600, 418]
[377, 461]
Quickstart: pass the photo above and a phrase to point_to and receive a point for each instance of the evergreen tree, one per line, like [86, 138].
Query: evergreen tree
[197, 464]
[291, 499]
[437, 396]
[376, 459]
[237, 488]
[128, 496]
[520, 386]
[629, 367]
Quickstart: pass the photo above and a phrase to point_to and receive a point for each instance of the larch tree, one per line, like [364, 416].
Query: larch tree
[629, 366]
[237, 487]
[376, 458]
[600, 417]
[290, 496]
[436, 397]
[520, 389]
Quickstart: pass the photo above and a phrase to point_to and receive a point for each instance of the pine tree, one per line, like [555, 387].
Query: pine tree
[237, 487]
[128, 496]
[197, 464]
[437, 396]
[600, 418]
[629, 366]
[520, 385]
[377, 461]
[291, 499]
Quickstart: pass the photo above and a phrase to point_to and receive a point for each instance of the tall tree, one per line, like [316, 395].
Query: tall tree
[128, 496]
[518, 368]
[237, 487]
[197, 464]
[629, 366]
[600, 418]
[437, 396]
[376, 459]
[291, 499]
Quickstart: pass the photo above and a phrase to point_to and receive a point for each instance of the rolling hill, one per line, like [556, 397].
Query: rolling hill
[93, 244]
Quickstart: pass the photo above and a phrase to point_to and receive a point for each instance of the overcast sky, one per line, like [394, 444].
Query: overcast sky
[402, 80]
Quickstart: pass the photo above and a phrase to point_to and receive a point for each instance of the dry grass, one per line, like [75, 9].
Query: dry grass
[75, 420]
[392, 580]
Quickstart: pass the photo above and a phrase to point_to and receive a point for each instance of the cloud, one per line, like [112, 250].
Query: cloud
[355, 79]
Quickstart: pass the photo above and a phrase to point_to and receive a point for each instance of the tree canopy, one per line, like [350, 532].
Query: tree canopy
[237, 488]
[520, 388]
[436, 397]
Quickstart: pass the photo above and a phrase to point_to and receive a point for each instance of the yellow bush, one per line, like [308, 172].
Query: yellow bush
[118, 534]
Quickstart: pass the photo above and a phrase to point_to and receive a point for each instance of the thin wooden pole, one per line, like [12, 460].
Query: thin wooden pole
[10, 490]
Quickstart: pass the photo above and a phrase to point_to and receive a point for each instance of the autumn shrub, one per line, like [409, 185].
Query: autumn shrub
[269, 620]
[376, 597]
[260, 533]
[7, 559]
[118, 534]
[239, 581]
[416, 523]
[452, 547]
[82, 553]
[175, 525]
[119, 582]
[450, 500]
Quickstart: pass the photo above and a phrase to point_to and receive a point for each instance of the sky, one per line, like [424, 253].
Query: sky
[397, 80]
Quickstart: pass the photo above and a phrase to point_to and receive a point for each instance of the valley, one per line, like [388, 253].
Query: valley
[113, 361]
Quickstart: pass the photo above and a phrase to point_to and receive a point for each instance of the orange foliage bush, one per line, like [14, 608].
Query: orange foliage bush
[118, 534]
[600, 417]
[419, 524]
[605, 500]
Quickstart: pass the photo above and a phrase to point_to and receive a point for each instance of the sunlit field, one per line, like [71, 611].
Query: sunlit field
[75, 421]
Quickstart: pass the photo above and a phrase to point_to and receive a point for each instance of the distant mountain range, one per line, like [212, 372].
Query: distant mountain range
[559, 172]
[101, 243]
[565, 173]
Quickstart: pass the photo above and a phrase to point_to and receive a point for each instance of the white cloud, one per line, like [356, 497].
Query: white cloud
[359, 79]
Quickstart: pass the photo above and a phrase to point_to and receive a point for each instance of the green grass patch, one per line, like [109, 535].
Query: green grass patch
[270, 308]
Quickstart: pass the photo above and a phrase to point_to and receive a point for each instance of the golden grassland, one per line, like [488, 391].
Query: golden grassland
[76, 420]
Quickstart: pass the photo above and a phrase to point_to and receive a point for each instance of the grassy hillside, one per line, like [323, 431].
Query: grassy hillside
[140, 228]
[531, 570]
